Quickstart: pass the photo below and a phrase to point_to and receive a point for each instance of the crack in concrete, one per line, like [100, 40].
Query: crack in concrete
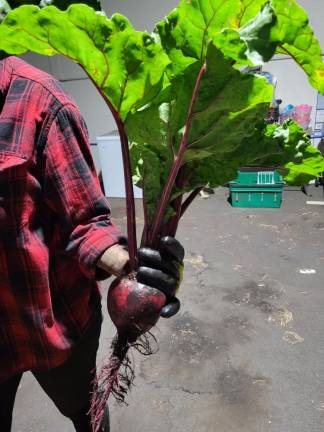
[180, 388]
[191, 392]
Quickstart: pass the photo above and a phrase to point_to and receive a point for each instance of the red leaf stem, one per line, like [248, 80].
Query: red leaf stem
[158, 218]
[189, 200]
[172, 225]
[146, 225]
[130, 203]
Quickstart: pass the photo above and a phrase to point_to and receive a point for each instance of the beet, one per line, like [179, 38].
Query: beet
[133, 307]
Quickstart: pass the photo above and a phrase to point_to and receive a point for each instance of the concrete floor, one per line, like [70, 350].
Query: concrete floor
[246, 352]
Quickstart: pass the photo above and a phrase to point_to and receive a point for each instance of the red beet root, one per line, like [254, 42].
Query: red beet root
[133, 307]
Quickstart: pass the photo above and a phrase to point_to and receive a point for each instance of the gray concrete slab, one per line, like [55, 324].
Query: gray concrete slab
[245, 354]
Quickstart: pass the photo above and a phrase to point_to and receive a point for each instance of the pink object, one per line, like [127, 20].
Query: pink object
[302, 115]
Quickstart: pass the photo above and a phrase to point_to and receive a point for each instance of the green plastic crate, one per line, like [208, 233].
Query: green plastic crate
[259, 189]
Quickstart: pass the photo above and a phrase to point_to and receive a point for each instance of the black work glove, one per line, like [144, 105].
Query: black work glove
[162, 268]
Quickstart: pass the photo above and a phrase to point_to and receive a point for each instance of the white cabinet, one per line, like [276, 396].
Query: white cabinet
[111, 163]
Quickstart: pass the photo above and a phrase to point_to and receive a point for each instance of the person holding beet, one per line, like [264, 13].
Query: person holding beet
[57, 241]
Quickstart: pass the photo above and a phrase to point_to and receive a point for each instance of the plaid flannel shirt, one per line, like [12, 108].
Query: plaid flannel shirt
[54, 221]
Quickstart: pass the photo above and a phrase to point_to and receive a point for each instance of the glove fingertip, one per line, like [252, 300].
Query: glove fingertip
[171, 308]
[173, 246]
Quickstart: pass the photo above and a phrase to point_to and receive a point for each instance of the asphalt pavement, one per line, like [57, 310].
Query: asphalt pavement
[246, 351]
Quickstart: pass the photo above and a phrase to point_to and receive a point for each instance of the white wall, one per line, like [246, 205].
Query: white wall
[142, 13]
[293, 86]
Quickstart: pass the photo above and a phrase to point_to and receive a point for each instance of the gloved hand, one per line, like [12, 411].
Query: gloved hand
[162, 268]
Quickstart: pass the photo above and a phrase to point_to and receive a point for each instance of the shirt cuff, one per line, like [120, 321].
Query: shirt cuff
[95, 243]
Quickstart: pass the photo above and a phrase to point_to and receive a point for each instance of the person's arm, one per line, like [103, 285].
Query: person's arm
[115, 260]
[72, 192]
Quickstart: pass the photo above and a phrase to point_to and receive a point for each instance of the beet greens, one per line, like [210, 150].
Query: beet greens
[178, 95]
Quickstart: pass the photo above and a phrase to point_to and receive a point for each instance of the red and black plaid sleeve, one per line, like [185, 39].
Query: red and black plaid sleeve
[72, 191]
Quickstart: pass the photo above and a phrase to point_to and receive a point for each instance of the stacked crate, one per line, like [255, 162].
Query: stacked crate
[254, 188]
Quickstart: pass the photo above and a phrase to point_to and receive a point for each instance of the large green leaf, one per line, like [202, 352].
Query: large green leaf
[248, 32]
[249, 9]
[60, 4]
[297, 159]
[127, 66]
[292, 34]
[227, 132]
[228, 106]
[187, 31]
[6, 6]
[193, 24]
[250, 44]
[150, 170]
[152, 150]
[213, 172]
[283, 147]
[310, 167]
[296, 38]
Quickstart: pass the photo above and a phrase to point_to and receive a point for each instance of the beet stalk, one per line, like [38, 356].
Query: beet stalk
[133, 307]
[116, 376]
[176, 166]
